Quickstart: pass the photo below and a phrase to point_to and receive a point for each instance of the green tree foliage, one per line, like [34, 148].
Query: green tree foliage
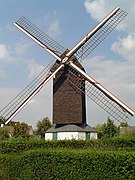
[100, 128]
[20, 129]
[42, 126]
[107, 130]
[124, 124]
[110, 128]
[4, 135]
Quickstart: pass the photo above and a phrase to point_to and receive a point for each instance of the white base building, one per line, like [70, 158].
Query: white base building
[71, 131]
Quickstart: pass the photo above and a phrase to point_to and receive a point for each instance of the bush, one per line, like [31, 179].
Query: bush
[22, 158]
[4, 135]
[68, 164]
[18, 145]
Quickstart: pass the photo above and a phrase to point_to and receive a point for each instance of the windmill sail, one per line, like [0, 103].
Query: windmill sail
[100, 95]
[9, 111]
[40, 37]
[91, 40]
[83, 48]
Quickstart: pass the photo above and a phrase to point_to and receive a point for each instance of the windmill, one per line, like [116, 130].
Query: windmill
[70, 81]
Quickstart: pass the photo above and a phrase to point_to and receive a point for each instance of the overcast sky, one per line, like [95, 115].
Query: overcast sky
[21, 59]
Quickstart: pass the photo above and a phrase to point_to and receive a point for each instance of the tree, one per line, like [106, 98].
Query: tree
[110, 129]
[107, 130]
[3, 132]
[4, 135]
[100, 128]
[42, 126]
[20, 129]
[123, 124]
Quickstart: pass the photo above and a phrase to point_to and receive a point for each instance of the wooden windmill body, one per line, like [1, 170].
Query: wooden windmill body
[67, 96]
[70, 82]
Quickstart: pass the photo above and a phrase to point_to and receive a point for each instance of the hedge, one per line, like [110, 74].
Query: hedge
[18, 145]
[66, 164]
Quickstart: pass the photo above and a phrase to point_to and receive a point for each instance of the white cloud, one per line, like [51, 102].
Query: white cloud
[93, 7]
[34, 68]
[4, 52]
[109, 72]
[53, 24]
[14, 54]
[37, 108]
[117, 77]
[54, 28]
[125, 46]
[21, 48]
[98, 9]
[40, 106]
[105, 6]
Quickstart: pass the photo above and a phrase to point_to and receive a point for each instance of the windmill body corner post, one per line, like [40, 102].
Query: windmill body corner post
[70, 82]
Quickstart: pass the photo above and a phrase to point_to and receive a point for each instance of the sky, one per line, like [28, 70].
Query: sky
[112, 63]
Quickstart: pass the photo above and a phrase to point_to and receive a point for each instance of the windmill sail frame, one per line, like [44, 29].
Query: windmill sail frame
[65, 57]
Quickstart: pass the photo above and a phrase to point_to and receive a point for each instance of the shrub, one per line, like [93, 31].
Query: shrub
[18, 145]
[68, 164]
[4, 135]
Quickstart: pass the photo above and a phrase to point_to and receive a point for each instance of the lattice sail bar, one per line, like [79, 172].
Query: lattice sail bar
[39, 36]
[95, 37]
[9, 111]
[106, 102]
